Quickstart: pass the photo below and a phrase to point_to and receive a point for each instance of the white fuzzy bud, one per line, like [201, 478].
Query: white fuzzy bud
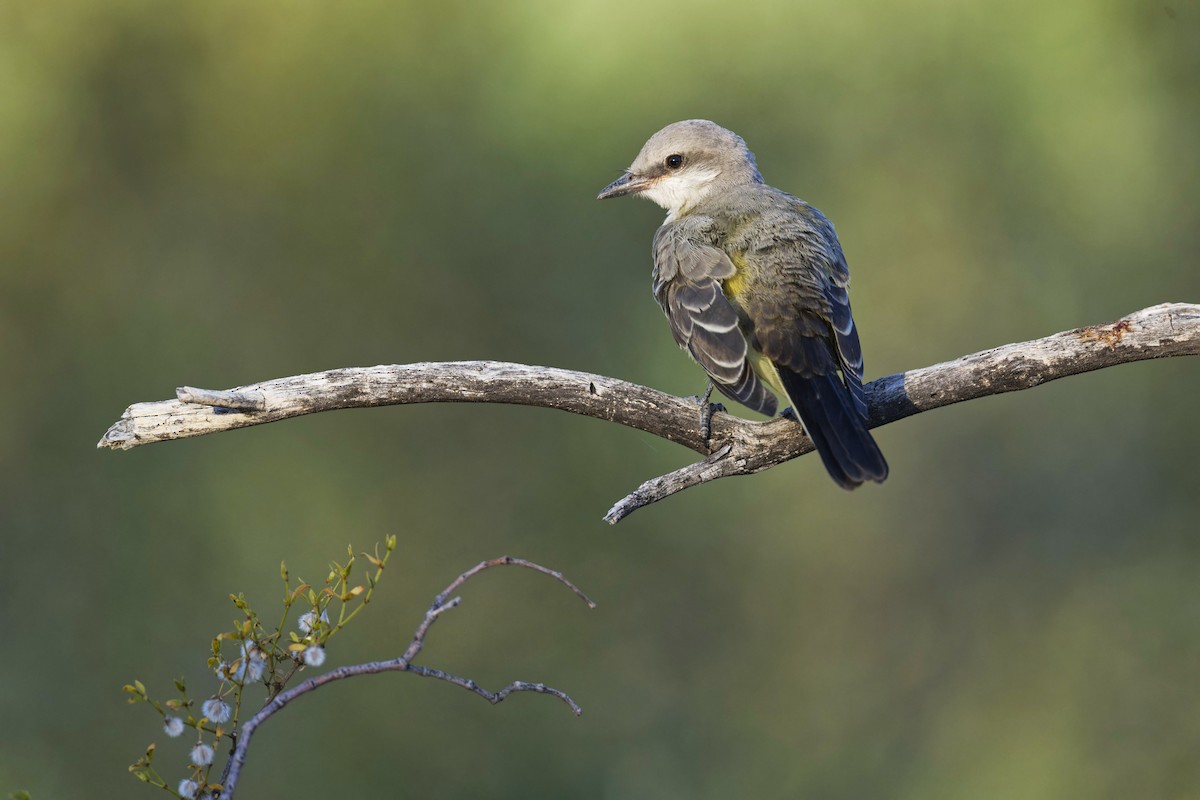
[202, 755]
[215, 710]
[314, 656]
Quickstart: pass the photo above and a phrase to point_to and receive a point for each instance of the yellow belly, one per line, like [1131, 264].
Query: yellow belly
[766, 371]
[734, 288]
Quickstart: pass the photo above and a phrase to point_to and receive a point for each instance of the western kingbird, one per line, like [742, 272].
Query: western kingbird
[753, 282]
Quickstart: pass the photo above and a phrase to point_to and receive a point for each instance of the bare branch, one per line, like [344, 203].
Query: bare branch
[237, 759]
[717, 465]
[495, 697]
[440, 603]
[736, 447]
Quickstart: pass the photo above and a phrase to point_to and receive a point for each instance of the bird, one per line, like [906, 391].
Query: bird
[753, 282]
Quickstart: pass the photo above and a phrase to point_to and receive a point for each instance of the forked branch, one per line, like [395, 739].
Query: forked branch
[736, 447]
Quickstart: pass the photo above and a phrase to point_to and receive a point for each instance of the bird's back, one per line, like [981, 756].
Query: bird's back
[790, 272]
[790, 294]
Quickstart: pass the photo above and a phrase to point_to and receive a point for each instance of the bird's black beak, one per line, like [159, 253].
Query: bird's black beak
[626, 184]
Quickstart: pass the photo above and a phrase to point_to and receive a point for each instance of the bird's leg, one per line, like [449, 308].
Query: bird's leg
[707, 410]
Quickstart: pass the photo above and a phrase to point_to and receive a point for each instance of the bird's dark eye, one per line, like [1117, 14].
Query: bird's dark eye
[674, 161]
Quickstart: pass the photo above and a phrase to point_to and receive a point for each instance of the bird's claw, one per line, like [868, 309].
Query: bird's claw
[706, 414]
[707, 410]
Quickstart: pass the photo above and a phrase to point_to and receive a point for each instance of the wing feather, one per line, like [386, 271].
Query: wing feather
[849, 350]
[687, 284]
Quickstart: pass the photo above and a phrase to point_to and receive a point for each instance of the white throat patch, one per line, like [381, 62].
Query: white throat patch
[678, 192]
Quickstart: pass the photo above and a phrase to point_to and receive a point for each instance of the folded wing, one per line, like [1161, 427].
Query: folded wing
[687, 284]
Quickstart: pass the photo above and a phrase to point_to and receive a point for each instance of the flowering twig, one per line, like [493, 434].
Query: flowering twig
[265, 657]
[269, 658]
[402, 664]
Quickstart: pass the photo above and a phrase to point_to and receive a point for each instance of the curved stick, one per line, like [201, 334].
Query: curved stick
[736, 447]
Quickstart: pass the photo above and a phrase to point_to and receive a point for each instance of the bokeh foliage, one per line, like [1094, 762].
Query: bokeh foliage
[215, 193]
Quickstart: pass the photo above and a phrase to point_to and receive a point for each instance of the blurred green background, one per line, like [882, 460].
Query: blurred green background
[217, 193]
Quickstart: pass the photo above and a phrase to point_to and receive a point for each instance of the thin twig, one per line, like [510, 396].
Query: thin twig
[736, 447]
[440, 604]
[237, 759]
[495, 697]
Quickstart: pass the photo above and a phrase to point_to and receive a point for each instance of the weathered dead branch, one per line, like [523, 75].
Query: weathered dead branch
[737, 446]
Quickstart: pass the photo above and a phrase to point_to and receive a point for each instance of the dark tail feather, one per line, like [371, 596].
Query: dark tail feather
[825, 408]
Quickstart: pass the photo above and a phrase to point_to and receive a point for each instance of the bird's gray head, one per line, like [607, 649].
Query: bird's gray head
[683, 163]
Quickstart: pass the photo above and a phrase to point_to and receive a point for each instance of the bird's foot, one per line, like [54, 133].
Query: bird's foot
[707, 410]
